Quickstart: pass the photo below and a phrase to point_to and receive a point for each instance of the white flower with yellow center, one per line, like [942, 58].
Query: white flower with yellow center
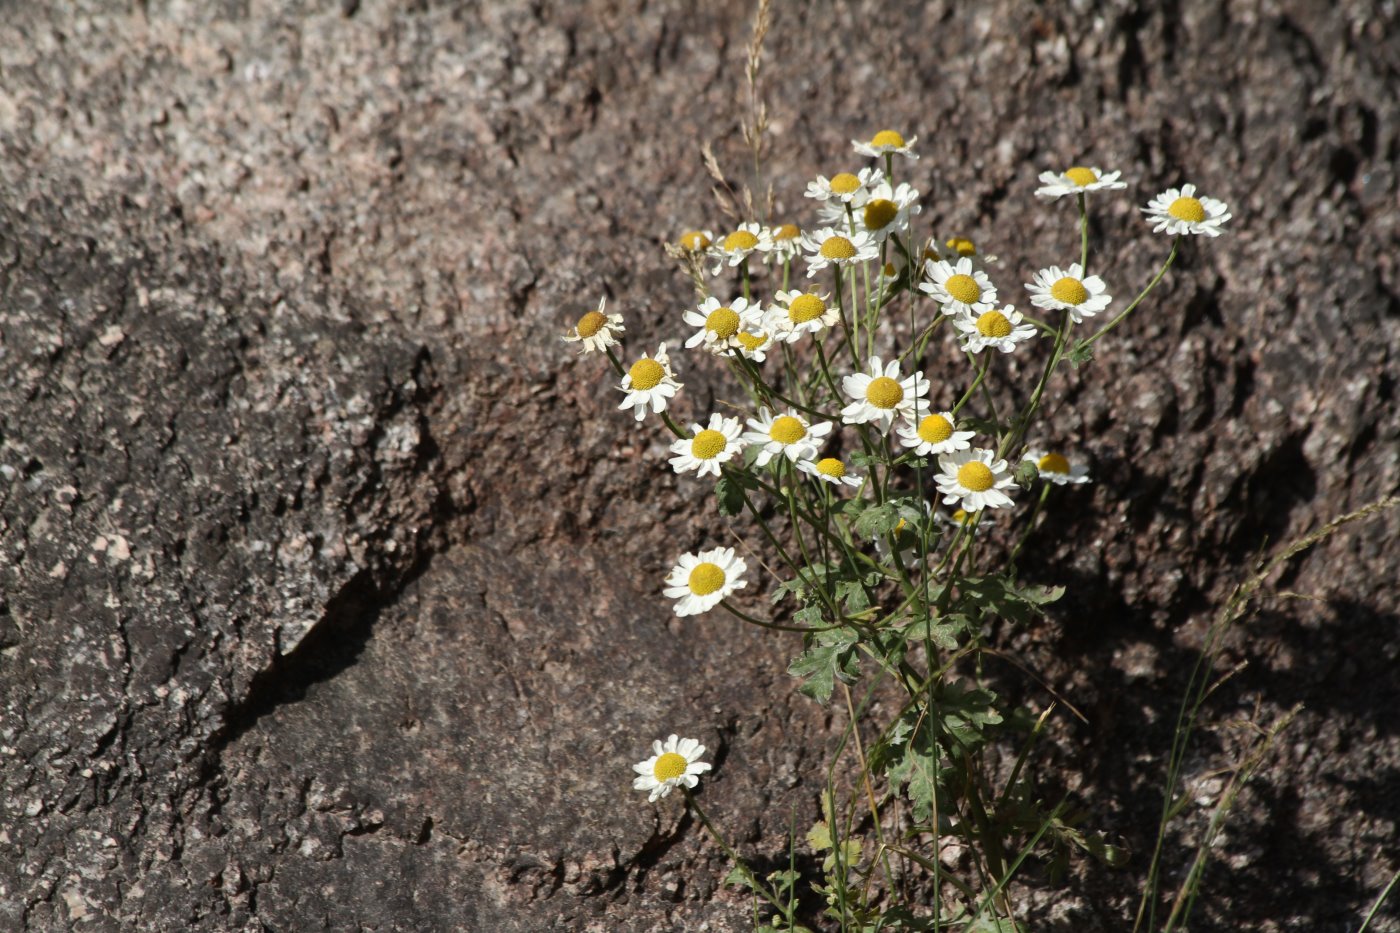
[649, 382]
[1069, 290]
[881, 396]
[1057, 469]
[1077, 180]
[961, 518]
[695, 241]
[787, 434]
[718, 323]
[1001, 329]
[699, 582]
[958, 287]
[736, 246]
[830, 247]
[781, 243]
[798, 313]
[975, 479]
[596, 330]
[933, 433]
[887, 142]
[846, 188]
[755, 335]
[674, 763]
[1176, 212]
[708, 448]
[829, 470]
[886, 211]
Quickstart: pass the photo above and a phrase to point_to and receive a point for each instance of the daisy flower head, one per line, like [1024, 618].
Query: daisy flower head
[736, 247]
[1077, 180]
[829, 470]
[695, 241]
[975, 479]
[596, 329]
[755, 334]
[880, 396]
[958, 287]
[718, 324]
[887, 142]
[674, 763]
[934, 433]
[1057, 469]
[699, 582]
[1001, 329]
[845, 188]
[649, 381]
[707, 448]
[829, 247]
[781, 243]
[886, 211]
[798, 313]
[1176, 212]
[787, 434]
[1068, 290]
[962, 518]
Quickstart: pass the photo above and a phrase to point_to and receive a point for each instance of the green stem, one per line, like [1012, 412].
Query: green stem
[1138, 300]
[758, 887]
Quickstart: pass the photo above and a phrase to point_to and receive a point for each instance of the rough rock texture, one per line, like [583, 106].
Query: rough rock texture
[328, 576]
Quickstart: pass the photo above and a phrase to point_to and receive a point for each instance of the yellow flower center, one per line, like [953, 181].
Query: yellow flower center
[844, 183]
[786, 429]
[884, 392]
[963, 288]
[830, 466]
[838, 247]
[880, 213]
[888, 138]
[889, 270]
[591, 323]
[786, 232]
[962, 246]
[806, 308]
[1188, 209]
[964, 517]
[705, 578]
[708, 444]
[935, 429]
[669, 766]
[976, 476]
[723, 321]
[1070, 291]
[740, 239]
[694, 240]
[1082, 176]
[994, 324]
[1053, 463]
[646, 374]
[750, 342]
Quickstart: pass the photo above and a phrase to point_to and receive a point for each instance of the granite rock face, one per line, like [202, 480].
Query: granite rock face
[329, 576]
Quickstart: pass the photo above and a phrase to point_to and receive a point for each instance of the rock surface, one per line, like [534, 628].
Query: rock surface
[329, 576]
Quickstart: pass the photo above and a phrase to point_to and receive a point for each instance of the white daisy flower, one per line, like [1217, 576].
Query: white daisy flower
[675, 763]
[1055, 468]
[845, 187]
[974, 478]
[780, 244]
[788, 434]
[829, 470]
[958, 287]
[718, 324]
[695, 241]
[886, 142]
[1001, 329]
[881, 396]
[699, 582]
[961, 518]
[1077, 180]
[1068, 290]
[1176, 212]
[707, 448]
[798, 313]
[827, 247]
[886, 211]
[736, 247]
[934, 433]
[649, 382]
[597, 330]
[755, 335]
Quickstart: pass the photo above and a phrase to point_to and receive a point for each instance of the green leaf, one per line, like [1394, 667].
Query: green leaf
[1000, 594]
[1082, 353]
[730, 495]
[877, 521]
[828, 658]
[942, 630]
[853, 595]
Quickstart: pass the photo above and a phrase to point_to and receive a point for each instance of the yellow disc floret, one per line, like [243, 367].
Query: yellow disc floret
[844, 183]
[806, 308]
[708, 444]
[646, 374]
[888, 138]
[976, 476]
[994, 324]
[884, 392]
[669, 766]
[963, 288]
[591, 323]
[1188, 209]
[750, 342]
[1082, 176]
[786, 430]
[786, 232]
[935, 429]
[830, 466]
[694, 241]
[962, 246]
[724, 322]
[705, 578]
[838, 247]
[1070, 291]
[880, 213]
[1052, 463]
[740, 239]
